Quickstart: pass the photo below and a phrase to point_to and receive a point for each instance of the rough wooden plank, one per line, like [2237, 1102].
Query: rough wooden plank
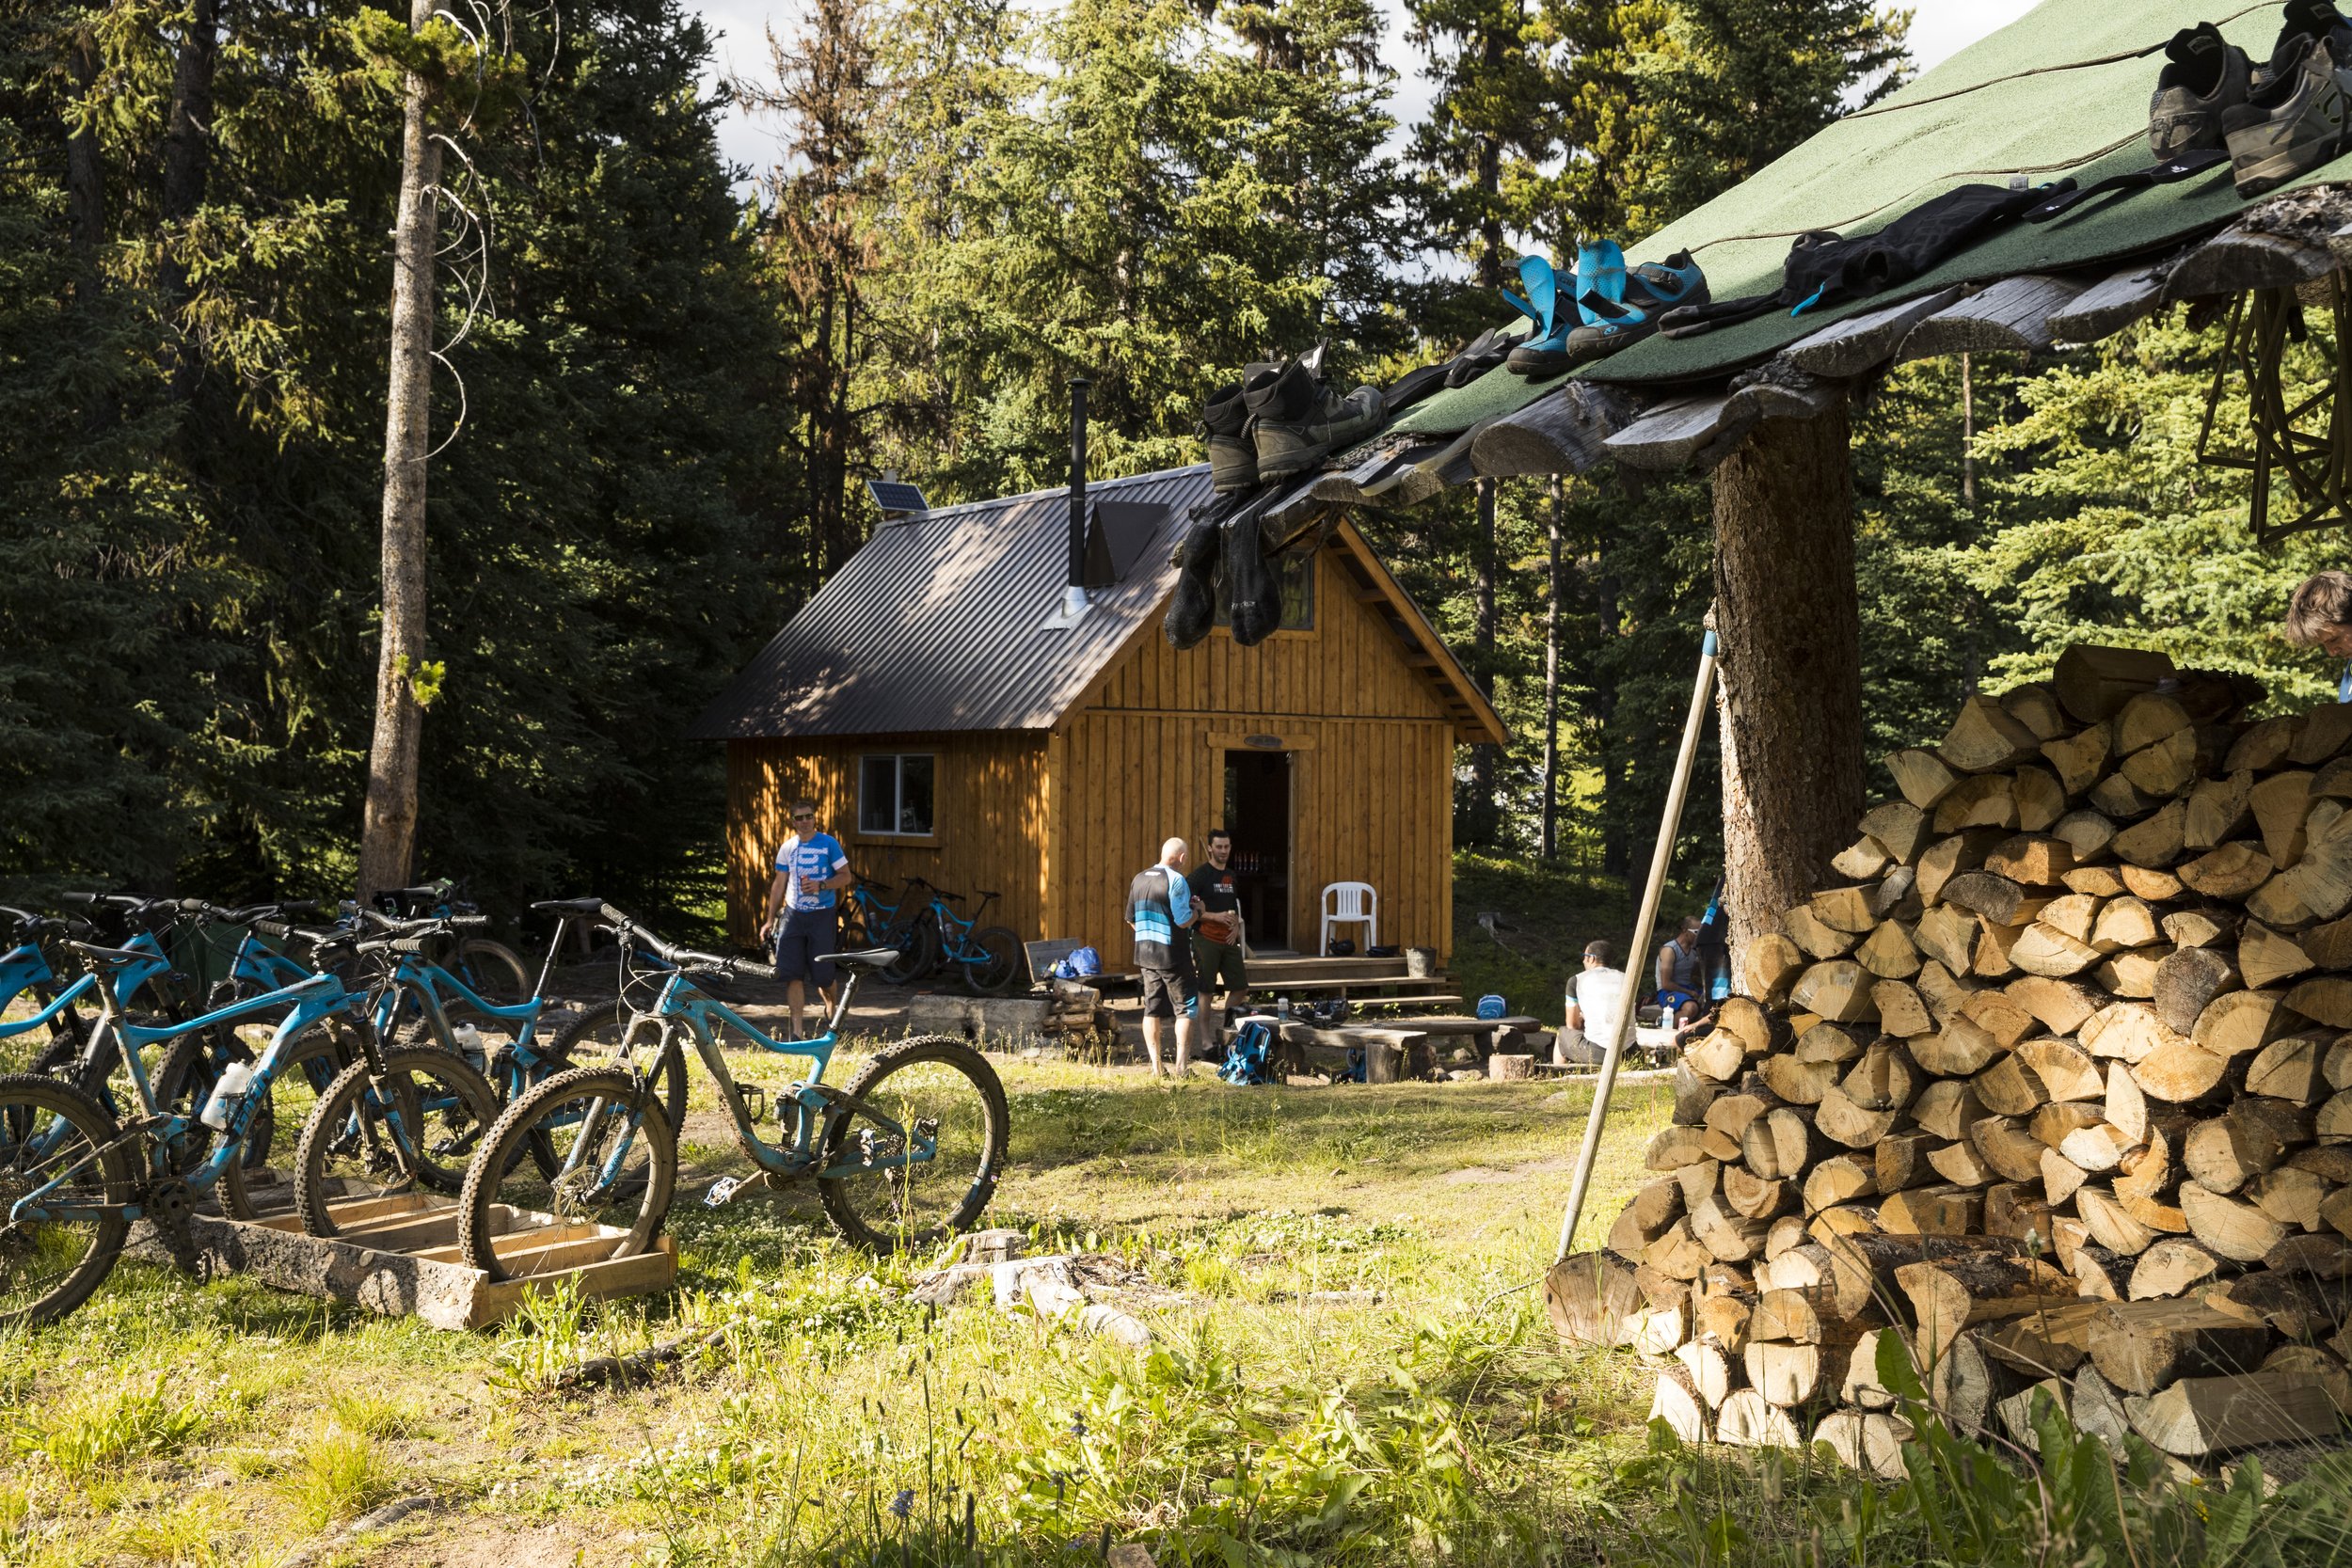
[2013, 314]
[1563, 432]
[2285, 242]
[1672, 433]
[1851, 346]
[2110, 306]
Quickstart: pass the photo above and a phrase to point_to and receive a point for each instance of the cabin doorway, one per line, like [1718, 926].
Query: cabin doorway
[1258, 814]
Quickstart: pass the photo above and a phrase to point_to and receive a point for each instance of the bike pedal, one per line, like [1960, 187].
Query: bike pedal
[721, 1192]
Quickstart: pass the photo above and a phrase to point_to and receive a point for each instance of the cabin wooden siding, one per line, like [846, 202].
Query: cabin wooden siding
[989, 808]
[1061, 821]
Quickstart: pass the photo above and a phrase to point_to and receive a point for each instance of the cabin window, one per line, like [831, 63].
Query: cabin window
[1295, 572]
[895, 794]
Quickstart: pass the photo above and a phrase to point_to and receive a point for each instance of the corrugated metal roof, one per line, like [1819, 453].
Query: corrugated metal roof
[938, 623]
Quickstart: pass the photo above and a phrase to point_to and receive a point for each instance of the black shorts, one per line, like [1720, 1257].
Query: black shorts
[1218, 963]
[805, 946]
[1167, 992]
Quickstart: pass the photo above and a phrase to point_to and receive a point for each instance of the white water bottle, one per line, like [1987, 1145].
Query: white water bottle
[227, 1095]
[469, 1044]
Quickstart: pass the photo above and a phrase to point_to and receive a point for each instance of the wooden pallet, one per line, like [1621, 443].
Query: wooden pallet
[398, 1256]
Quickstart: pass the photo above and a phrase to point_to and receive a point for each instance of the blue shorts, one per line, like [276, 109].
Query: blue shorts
[1674, 1001]
[805, 946]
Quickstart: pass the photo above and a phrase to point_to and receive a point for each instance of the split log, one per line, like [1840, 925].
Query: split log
[1791, 1376]
[2126, 1108]
[1887, 952]
[2240, 1021]
[2045, 951]
[1899, 826]
[2131, 974]
[1947, 857]
[1672, 1148]
[1948, 1108]
[1948, 936]
[1840, 1178]
[2003, 1143]
[1980, 800]
[1944, 991]
[1713, 1373]
[2101, 881]
[1838, 989]
[2147, 883]
[1960, 1164]
[1862, 859]
[1863, 1389]
[1590, 1296]
[1676, 1253]
[1959, 1048]
[1984, 736]
[2216, 810]
[2147, 719]
[1942, 1210]
[2040, 799]
[1871, 1442]
[2291, 1196]
[2015, 1210]
[1777, 1146]
[2325, 732]
[2018, 1412]
[2061, 1007]
[2061, 1176]
[1754, 1197]
[2165, 768]
[1718, 1056]
[1770, 965]
[2127, 1032]
[1723, 1321]
[1814, 936]
[2266, 957]
[2080, 760]
[2097, 1408]
[1923, 777]
[2076, 916]
[2178, 1073]
[2236, 1231]
[2189, 980]
[2229, 873]
[1798, 1081]
[1995, 898]
[1883, 1078]
[2171, 1267]
[2051, 1342]
[2226, 1152]
[1833, 1043]
[1839, 1119]
[1900, 1159]
[2087, 835]
[2201, 927]
[2329, 945]
[1902, 1013]
[2317, 887]
[1844, 908]
[2202, 1415]
[2116, 796]
[1747, 1420]
[1948, 1294]
[1678, 1404]
[2327, 999]
[2278, 805]
[2110, 1225]
[2263, 745]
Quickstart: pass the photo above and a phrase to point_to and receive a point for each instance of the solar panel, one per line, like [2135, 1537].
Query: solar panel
[895, 498]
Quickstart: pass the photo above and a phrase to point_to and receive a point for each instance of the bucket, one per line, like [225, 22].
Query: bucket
[1421, 964]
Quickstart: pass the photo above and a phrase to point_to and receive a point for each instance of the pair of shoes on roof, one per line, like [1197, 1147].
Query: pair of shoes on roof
[2277, 120]
[1614, 305]
[1278, 420]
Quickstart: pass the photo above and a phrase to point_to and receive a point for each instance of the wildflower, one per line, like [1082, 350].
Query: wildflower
[903, 1504]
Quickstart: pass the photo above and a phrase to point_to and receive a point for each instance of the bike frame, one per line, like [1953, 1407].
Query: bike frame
[25, 967]
[314, 998]
[816, 1108]
[955, 931]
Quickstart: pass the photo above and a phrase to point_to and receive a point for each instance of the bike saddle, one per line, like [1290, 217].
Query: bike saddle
[985, 894]
[572, 906]
[869, 958]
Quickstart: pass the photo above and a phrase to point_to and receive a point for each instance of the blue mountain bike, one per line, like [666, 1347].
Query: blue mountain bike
[909, 1151]
[73, 1176]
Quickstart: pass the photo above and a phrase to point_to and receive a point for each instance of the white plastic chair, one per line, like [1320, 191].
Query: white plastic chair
[1350, 903]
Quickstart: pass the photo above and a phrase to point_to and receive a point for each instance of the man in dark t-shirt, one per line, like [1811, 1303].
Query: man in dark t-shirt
[1216, 939]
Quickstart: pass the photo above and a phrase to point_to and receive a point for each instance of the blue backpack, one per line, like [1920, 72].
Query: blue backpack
[1248, 1060]
[1085, 963]
[1492, 1006]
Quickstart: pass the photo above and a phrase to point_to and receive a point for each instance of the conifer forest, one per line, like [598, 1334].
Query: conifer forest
[662, 380]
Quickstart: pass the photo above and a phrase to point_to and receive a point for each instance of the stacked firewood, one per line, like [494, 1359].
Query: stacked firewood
[2054, 1085]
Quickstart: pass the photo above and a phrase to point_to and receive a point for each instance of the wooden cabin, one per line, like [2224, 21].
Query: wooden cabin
[951, 724]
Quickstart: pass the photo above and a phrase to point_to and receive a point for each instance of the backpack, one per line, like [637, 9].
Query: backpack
[1250, 1058]
[1082, 964]
[1491, 1005]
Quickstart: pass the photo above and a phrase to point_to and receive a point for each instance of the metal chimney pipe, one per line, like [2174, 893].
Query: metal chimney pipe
[1075, 595]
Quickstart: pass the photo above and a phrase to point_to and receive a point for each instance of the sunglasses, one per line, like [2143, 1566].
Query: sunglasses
[805, 816]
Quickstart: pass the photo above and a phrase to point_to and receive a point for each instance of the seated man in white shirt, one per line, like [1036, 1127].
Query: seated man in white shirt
[1597, 999]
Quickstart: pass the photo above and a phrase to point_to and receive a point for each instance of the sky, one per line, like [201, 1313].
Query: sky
[1939, 28]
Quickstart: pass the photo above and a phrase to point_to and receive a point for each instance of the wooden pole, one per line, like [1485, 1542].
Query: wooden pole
[1644, 927]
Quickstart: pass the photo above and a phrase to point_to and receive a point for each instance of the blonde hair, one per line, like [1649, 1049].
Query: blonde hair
[2324, 600]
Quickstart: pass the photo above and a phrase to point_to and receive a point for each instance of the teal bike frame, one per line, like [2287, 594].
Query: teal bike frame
[307, 1001]
[815, 1109]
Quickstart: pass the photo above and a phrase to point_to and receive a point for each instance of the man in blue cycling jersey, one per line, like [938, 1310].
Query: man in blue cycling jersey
[811, 871]
[2320, 616]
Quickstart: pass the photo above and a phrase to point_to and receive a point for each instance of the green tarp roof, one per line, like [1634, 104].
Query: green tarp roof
[2062, 90]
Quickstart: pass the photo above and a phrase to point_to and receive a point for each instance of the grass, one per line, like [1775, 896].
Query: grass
[1350, 1365]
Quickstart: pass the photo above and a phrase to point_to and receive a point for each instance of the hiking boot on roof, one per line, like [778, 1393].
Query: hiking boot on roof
[2300, 116]
[2204, 79]
[1232, 454]
[1287, 448]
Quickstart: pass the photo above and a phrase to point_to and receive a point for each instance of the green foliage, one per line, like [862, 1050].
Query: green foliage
[84, 1437]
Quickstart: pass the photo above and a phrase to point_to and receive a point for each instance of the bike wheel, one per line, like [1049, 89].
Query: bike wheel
[918, 952]
[493, 972]
[617, 1166]
[191, 1068]
[52, 1132]
[993, 972]
[595, 1040]
[411, 1129]
[935, 1089]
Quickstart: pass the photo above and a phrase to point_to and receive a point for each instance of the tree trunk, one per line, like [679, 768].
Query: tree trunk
[387, 837]
[85, 183]
[1967, 432]
[1551, 848]
[1616, 778]
[187, 157]
[1789, 622]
